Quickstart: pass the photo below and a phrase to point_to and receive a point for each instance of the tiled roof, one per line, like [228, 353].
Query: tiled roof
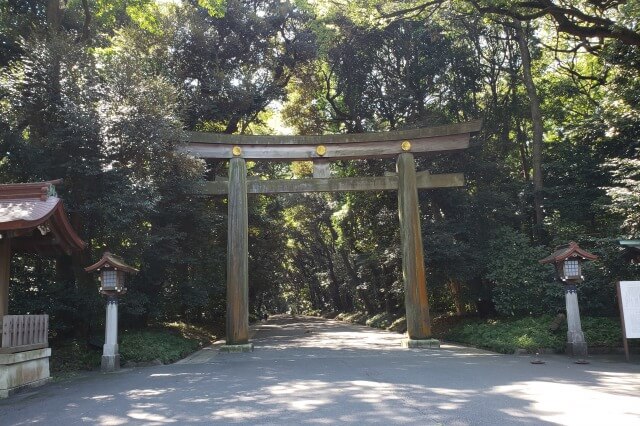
[566, 251]
[25, 213]
[27, 206]
[110, 260]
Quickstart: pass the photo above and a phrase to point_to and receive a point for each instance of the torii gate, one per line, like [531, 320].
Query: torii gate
[321, 150]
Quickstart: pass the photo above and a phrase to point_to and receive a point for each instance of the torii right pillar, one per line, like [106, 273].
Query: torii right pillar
[415, 286]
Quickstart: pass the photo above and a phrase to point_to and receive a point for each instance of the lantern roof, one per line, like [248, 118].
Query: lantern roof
[34, 218]
[111, 261]
[566, 251]
[632, 249]
[630, 243]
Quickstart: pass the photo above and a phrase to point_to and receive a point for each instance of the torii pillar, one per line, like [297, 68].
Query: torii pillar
[237, 339]
[415, 286]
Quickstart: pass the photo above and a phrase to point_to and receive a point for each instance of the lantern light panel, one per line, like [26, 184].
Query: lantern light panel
[112, 279]
[109, 278]
[571, 268]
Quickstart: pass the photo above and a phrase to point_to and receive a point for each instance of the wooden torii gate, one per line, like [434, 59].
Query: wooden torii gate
[322, 150]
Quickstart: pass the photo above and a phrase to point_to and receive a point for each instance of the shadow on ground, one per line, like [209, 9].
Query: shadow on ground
[314, 371]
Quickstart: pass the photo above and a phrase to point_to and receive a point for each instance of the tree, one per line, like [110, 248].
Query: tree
[584, 20]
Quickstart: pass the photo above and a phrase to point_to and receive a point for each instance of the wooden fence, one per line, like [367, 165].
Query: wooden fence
[24, 332]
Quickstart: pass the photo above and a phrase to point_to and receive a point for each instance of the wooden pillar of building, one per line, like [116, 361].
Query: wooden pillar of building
[238, 256]
[413, 271]
[5, 275]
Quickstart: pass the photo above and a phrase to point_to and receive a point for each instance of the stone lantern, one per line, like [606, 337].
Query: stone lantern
[113, 271]
[567, 260]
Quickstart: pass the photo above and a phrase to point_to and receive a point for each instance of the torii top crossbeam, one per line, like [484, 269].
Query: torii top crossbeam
[332, 147]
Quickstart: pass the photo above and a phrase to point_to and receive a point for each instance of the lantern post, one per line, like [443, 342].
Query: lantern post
[567, 260]
[112, 279]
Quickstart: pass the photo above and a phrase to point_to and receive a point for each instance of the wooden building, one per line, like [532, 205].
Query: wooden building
[32, 220]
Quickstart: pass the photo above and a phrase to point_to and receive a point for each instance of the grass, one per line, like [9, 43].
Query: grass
[167, 343]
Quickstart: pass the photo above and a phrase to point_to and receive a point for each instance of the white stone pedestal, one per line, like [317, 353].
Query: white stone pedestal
[23, 369]
[110, 355]
[576, 345]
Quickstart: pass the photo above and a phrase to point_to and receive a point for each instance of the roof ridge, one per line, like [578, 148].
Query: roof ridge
[31, 190]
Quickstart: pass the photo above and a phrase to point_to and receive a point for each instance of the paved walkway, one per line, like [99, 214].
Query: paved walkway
[313, 371]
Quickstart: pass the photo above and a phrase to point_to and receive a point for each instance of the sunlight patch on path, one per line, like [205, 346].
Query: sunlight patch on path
[573, 403]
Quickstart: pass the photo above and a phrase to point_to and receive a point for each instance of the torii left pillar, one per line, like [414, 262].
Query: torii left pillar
[237, 339]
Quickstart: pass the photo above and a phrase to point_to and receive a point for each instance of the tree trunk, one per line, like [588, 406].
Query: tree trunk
[456, 290]
[536, 119]
[334, 285]
[54, 14]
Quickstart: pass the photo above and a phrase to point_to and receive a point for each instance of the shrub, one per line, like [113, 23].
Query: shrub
[602, 332]
[532, 334]
[506, 336]
[382, 320]
[354, 317]
[72, 355]
[399, 325]
[148, 345]
[521, 285]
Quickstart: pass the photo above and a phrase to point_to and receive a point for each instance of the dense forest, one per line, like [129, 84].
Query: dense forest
[98, 92]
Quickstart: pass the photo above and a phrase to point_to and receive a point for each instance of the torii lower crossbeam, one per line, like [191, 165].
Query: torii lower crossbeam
[424, 180]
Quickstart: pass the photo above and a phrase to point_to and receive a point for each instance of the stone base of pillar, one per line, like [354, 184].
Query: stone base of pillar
[576, 345]
[421, 343]
[110, 363]
[578, 349]
[247, 347]
[23, 370]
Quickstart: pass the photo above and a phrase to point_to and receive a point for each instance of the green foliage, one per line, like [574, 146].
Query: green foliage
[72, 355]
[168, 344]
[399, 325]
[104, 106]
[149, 345]
[505, 336]
[534, 334]
[603, 332]
[382, 320]
[354, 317]
[214, 7]
[521, 284]
[625, 195]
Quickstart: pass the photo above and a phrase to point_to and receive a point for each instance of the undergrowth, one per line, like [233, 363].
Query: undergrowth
[167, 343]
[504, 335]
